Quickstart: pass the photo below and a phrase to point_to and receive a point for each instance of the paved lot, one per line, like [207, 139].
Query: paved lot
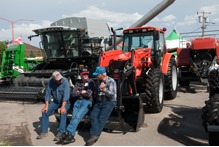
[179, 124]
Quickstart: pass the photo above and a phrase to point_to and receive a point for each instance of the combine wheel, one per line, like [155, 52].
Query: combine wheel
[171, 81]
[154, 86]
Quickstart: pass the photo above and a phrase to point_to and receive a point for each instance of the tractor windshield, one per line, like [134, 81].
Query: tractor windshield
[60, 44]
[138, 40]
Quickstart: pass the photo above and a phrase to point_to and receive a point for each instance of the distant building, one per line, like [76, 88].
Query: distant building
[32, 51]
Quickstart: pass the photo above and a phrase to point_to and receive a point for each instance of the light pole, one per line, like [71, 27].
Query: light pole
[12, 24]
[203, 19]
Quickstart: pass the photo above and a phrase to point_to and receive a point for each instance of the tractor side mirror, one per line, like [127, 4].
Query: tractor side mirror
[110, 41]
[30, 37]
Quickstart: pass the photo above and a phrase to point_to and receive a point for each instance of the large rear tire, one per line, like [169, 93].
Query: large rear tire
[171, 81]
[213, 80]
[210, 117]
[210, 114]
[154, 87]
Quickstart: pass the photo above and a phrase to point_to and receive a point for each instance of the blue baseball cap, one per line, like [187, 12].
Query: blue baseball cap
[99, 70]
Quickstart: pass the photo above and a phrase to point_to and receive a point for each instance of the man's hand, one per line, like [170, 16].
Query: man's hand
[44, 110]
[83, 91]
[62, 110]
[102, 85]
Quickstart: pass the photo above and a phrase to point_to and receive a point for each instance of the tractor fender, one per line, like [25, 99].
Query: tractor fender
[165, 62]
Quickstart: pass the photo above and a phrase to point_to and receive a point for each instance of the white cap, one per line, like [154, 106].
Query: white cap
[57, 76]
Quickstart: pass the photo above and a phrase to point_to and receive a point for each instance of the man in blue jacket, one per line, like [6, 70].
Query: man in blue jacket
[58, 89]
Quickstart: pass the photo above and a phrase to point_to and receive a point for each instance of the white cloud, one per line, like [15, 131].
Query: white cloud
[188, 20]
[214, 9]
[116, 19]
[193, 19]
[168, 18]
[156, 19]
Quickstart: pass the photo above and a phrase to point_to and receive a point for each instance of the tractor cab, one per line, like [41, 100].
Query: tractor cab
[142, 48]
[143, 37]
[146, 37]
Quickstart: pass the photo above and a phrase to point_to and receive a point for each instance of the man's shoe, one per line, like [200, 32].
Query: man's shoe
[42, 135]
[69, 139]
[92, 140]
[57, 137]
[62, 138]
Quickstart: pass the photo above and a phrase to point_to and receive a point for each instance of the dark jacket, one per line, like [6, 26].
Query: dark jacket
[89, 86]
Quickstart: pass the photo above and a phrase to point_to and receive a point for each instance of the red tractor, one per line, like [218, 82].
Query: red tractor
[194, 62]
[145, 73]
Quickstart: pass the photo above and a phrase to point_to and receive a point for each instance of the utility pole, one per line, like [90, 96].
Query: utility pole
[203, 18]
[12, 24]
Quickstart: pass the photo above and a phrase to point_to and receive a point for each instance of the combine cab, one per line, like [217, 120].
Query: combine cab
[145, 74]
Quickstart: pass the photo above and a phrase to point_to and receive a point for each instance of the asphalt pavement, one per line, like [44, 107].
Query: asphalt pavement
[179, 124]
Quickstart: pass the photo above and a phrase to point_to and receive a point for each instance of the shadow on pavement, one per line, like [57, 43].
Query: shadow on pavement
[184, 125]
[84, 130]
[53, 127]
[187, 89]
[193, 88]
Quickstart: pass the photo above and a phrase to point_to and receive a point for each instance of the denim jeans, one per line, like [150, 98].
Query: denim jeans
[45, 117]
[81, 107]
[99, 115]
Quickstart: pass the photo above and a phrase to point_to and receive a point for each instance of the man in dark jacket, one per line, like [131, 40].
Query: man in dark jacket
[83, 92]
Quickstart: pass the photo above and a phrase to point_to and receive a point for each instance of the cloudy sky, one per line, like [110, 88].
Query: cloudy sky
[182, 14]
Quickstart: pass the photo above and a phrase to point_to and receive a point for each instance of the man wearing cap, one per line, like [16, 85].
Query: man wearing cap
[57, 88]
[105, 102]
[83, 92]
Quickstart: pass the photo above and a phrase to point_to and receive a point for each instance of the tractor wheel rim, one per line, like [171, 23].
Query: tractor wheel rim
[161, 91]
[174, 78]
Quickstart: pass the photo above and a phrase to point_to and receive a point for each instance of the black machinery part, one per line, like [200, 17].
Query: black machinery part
[16, 93]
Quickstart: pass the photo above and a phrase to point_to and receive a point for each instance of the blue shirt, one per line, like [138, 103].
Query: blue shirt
[110, 91]
[59, 92]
